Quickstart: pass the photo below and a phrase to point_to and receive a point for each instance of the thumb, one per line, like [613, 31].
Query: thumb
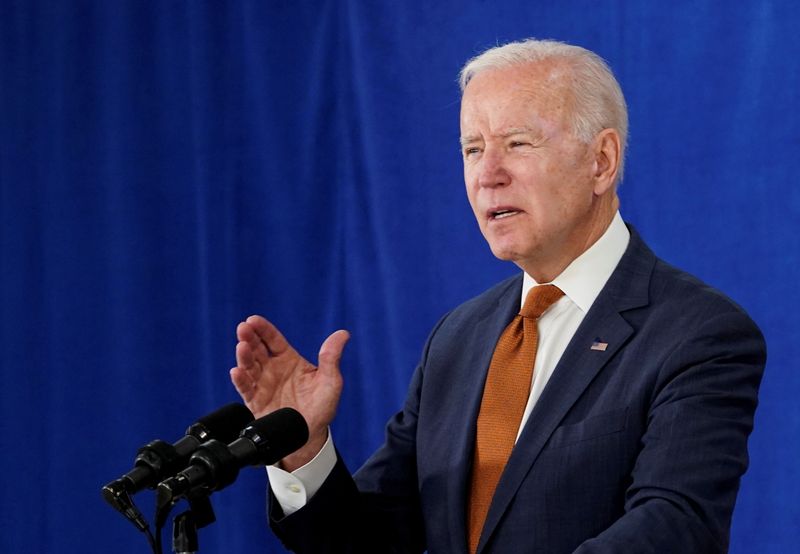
[330, 353]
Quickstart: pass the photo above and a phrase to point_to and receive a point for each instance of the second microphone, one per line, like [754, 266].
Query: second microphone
[215, 465]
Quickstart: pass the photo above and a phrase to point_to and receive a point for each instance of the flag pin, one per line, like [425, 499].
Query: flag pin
[597, 344]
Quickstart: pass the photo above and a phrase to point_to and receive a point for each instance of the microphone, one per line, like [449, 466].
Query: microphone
[214, 465]
[158, 459]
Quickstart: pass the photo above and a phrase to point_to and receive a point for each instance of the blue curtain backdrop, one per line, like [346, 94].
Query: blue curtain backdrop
[168, 168]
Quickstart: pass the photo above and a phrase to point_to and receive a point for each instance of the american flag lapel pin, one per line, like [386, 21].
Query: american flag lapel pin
[597, 344]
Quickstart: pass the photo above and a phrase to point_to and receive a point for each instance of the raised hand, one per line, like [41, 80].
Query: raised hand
[270, 374]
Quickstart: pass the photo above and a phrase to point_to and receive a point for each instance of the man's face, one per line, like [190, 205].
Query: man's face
[529, 180]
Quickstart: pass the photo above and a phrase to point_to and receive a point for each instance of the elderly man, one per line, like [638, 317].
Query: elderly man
[599, 402]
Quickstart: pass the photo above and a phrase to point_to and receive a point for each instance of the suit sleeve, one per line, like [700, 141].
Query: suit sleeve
[694, 450]
[378, 509]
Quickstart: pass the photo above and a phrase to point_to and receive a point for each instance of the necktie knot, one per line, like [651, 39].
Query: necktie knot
[539, 299]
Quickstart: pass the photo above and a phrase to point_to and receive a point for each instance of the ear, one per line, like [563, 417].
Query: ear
[607, 150]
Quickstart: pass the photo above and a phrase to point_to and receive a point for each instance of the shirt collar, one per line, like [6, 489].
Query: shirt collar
[585, 277]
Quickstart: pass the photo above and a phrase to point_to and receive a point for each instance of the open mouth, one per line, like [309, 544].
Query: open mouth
[502, 214]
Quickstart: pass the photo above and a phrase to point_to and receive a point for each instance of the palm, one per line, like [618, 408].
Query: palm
[270, 374]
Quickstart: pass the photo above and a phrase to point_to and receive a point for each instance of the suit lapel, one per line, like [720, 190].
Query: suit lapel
[626, 289]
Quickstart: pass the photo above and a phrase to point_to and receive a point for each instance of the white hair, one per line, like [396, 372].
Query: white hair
[598, 102]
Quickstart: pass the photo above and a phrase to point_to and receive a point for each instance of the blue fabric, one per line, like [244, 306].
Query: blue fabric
[168, 168]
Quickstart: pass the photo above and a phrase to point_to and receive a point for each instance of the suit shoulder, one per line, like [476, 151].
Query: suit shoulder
[644, 279]
[498, 302]
[673, 285]
[506, 291]
[681, 301]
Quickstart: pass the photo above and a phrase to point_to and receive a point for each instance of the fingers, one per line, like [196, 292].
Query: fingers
[265, 332]
[259, 340]
[243, 383]
[245, 358]
[330, 353]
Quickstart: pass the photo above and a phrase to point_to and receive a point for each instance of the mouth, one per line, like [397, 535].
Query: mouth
[501, 213]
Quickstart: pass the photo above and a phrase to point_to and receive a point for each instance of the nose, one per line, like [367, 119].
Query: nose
[492, 170]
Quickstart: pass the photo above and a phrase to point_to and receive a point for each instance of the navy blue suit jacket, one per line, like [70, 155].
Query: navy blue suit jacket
[638, 448]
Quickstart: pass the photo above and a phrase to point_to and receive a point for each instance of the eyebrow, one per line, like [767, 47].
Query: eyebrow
[469, 139]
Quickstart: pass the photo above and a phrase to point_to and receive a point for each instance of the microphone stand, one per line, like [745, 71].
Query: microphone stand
[185, 525]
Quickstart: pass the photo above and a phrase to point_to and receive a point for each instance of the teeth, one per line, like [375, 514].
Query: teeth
[503, 213]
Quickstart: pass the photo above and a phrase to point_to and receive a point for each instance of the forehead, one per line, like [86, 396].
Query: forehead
[518, 95]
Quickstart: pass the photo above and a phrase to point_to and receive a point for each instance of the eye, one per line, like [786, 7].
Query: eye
[470, 151]
[516, 144]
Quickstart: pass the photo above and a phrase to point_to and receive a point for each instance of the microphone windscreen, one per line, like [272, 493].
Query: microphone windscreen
[277, 434]
[224, 424]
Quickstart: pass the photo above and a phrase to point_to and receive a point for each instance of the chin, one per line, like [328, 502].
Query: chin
[503, 252]
[509, 245]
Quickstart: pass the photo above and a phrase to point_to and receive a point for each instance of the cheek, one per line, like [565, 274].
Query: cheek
[573, 203]
[471, 188]
[570, 185]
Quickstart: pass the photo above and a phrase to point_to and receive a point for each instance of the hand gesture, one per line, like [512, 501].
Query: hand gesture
[270, 374]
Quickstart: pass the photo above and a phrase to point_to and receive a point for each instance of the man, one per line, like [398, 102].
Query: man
[612, 417]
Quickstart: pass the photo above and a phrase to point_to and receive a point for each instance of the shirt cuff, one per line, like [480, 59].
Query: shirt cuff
[294, 490]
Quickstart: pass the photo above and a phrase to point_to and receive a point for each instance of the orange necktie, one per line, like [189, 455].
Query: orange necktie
[505, 395]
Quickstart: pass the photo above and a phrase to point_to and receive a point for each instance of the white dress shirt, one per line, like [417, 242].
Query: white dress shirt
[581, 283]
